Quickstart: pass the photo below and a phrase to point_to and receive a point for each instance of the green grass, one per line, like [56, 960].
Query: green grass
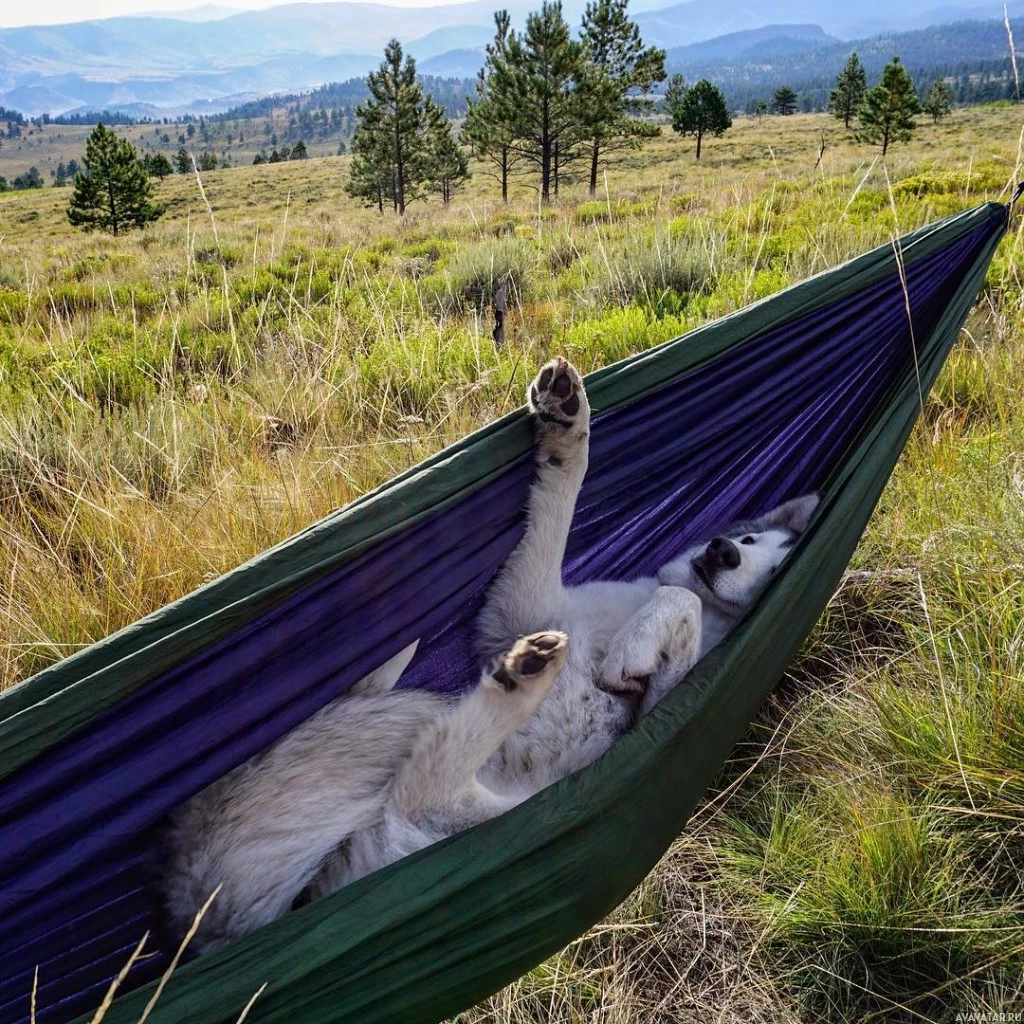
[175, 401]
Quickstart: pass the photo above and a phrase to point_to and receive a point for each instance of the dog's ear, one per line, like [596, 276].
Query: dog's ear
[793, 515]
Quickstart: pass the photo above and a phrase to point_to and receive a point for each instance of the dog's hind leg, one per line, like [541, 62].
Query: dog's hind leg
[529, 588]
[656, 647]
[437, 787]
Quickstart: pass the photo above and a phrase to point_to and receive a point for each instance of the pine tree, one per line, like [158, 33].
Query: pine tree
[701, 112]
[30, 179]
[371, 172]
[299, 151]
[784, 101]
[157, 165]
[675, 93]
[400, 122]
[618, 71]
[182, 161]
[112, 192]
[938, 101]
[887, 115]
[536, 83]
[489, 127]
[845, 99]
[760, 109]
[447, 165]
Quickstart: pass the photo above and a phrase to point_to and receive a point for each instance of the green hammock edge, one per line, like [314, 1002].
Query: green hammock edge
[42, 711]
[433, 934]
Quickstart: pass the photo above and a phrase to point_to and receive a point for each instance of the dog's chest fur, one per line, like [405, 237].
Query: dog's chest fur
[577, 721]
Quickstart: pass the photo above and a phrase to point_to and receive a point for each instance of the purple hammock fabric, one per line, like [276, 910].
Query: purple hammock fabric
[768, 420]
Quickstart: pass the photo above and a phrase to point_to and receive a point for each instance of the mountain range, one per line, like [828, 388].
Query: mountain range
[206, 60]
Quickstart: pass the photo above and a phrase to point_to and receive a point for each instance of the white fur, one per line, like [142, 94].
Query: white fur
[373, 776]
[628, 638]
[381, 773]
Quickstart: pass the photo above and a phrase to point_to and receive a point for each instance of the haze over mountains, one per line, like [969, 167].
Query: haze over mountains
[209, 59]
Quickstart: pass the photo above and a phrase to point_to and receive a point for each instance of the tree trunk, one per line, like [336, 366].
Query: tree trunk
[699, 134]
[399, 175]
[545, 156]
[554, 170]
[504, 175]
[399, 165]
[593, 168]
[113, 205]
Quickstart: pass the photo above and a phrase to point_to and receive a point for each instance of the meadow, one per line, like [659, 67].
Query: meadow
[174, 401]
[45, 146]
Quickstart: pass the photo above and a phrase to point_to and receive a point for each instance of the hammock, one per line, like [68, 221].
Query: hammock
[816, 387]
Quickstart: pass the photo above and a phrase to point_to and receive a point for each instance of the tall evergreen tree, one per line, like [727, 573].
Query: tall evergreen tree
[887, 115]
[618, 71]
[845, 99]
[784, 101]
[447, 165]
[938, 101]
[675, 93]
[112, 192]
[489, 127]
[371, 173]
[536, 81]
[701, 112]
[157, 165]
[399, 119]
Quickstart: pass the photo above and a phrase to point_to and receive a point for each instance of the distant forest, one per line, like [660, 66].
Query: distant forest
[344, 97]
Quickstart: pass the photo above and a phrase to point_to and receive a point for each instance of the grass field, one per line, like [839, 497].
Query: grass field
[175, 401]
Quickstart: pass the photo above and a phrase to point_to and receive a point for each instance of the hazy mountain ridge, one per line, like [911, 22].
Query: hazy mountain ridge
[175, 65]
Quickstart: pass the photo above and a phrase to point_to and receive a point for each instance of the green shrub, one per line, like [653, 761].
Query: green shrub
[472, 276]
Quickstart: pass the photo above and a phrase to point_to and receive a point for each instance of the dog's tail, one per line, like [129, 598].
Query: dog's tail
[383, 678]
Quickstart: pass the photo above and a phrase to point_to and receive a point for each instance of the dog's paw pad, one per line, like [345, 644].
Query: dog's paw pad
[532, 657]
[556, 394]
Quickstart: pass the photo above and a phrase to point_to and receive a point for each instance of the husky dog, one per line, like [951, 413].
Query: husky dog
[374, 776]
[631, 642]
[380, 773]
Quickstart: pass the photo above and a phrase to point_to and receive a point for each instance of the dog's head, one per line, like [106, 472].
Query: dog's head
[731, 570]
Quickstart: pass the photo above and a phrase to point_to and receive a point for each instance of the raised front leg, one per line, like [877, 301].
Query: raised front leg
[655, 648]
[529, 587]
[437, 785]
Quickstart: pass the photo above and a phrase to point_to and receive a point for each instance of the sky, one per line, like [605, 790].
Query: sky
[51, 12]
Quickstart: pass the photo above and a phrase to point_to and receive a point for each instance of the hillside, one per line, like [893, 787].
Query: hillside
[958, 51]
[175, 400]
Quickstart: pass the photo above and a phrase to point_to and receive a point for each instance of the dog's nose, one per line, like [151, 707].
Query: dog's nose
[724, 553]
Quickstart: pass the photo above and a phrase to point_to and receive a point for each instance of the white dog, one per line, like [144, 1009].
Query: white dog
[381, 773]
[629, 640]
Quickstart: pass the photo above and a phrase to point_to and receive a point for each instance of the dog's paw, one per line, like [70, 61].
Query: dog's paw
[661, 641]
[558, 401]
[627, 668]
[532, 660]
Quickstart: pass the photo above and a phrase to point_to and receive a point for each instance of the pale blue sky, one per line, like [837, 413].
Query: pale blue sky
[49, 12]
